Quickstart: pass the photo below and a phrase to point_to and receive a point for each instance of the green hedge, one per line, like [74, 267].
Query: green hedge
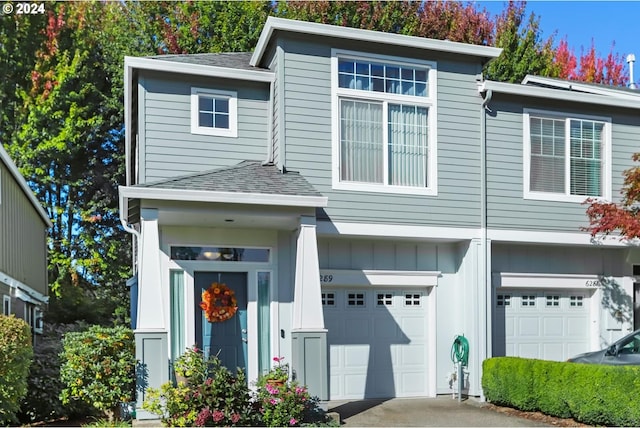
[16, 352]
[589, 393]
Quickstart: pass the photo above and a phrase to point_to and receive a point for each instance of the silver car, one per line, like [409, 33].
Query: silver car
[625, 351]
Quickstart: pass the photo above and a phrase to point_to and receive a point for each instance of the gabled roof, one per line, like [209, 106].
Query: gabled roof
[288, 25]
[248, 182]
[13, 170]
[589, 88]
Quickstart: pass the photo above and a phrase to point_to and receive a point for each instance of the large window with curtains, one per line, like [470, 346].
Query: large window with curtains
[385, 114]
[566, 158]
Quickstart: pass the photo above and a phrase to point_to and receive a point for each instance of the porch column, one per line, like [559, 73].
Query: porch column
[308, 335]
[151, 332]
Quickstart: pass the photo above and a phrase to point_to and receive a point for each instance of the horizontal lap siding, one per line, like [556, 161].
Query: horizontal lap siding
[170, 149]
[507, 209]
[308, 129]
[23, 251]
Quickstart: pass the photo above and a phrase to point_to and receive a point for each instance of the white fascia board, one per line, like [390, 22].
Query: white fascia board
[555, 94]
[556, 238]
[142, 63]
[128, 132]
[13, 169]
[23, 291]
[222, 197]
[571, 85]
[371, 36]
[544, 280]
[396, 231]
[381, 278]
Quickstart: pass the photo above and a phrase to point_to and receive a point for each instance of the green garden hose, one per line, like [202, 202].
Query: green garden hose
[460, 350]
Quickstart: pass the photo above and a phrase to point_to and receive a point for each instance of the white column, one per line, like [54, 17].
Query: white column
[307, 302]
[150, 301]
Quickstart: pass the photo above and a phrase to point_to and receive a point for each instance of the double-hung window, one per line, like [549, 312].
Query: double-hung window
[214, 112]
[384, 121]
[567, 158]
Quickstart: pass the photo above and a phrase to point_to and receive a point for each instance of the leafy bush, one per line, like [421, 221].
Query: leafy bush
[224, 399]
[98, 368]
[42, 402]
[589, 393]
[221, 399]
[16, 352]
[191, 366]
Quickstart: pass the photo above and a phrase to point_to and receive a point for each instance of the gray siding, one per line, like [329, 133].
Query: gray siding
[507, 209]
[170, 149]
[23, 234]
[308, 126]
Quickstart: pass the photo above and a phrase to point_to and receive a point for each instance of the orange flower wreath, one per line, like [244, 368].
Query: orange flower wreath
[219, 303]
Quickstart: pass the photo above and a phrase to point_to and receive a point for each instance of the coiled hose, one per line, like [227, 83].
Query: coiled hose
[460, 350]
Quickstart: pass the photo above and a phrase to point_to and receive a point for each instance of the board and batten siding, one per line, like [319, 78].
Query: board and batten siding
[306, 87]
[506, 206]
[23, 236]
[167, 146]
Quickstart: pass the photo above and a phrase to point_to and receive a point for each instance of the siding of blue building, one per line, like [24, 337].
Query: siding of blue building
[507, 209]
[170, 149]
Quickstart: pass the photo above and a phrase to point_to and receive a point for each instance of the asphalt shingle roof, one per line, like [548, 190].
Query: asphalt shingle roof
[246, 177]
[237, 60]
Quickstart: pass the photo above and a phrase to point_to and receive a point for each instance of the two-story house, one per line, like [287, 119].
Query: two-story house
[24, 286]
[368, 197]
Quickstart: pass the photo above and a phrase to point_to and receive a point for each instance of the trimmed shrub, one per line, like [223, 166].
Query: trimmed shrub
[16, 352]
[98, 367]
[42, 402]
[589, 393]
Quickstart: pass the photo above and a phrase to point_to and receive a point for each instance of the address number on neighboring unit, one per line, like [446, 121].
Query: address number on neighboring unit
[326, 278]
[593, 283]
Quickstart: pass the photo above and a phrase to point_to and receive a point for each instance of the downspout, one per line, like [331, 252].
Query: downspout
[269, 159]
[127, 227]
[484, 247]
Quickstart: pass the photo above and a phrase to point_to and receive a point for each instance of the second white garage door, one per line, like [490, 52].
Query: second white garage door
[377, 342]
[548, 325]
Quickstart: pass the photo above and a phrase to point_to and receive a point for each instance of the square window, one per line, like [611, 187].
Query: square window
[384, 299]
[413, 299]
[528, 300]
[576, 301]
[553, 301]
[214, 112]
[328, 299]
[503, 300]
[355, 299]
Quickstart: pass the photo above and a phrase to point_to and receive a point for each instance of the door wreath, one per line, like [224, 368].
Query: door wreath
[219, 303]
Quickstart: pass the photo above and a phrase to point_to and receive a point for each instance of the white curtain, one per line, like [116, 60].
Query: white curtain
[361, 141]
[408, 143]
[547, 172]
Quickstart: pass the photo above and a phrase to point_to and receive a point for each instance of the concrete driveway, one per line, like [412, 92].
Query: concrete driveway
[442, 411]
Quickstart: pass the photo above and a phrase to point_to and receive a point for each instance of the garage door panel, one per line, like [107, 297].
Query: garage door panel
[354, 384]
[413, 356]
[528, 326]
[552, 351]
[356, 356]
[553, 326]
[414, 329]
[529, 350]
[385, 328]
[577, 326]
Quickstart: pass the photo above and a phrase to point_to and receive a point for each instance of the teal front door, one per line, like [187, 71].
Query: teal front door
[226, 339]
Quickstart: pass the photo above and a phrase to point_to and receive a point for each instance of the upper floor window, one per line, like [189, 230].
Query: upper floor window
[566, 158]
[385, 120]
[214, 112]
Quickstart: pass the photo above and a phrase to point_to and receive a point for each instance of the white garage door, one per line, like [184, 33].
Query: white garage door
[548, 325]
[377, 342]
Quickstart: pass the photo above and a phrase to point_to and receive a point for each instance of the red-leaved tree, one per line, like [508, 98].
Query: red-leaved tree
[622, 218]
[609, 70]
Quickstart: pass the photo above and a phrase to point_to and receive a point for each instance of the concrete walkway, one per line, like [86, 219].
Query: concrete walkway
[442, 411]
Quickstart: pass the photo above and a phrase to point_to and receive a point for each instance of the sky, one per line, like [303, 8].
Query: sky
[580, 22]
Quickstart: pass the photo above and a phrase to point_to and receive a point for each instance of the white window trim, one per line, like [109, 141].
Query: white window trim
[6, 303]
[232, 96]
[565, 197]
[430, 102]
